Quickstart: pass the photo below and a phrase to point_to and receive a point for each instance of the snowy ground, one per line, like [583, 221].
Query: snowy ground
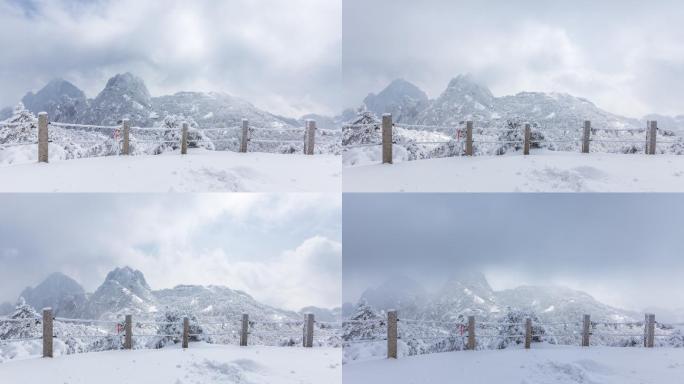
[542, 171]
[201, 363]
[542, 365]
[199, 171]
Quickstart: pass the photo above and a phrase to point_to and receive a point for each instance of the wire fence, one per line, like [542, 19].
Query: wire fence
[428, 336]
[90, 140]
[498, 137]
[84, 335]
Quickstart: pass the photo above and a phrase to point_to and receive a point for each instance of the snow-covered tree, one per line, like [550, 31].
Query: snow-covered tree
[171, 328]
[173, 134]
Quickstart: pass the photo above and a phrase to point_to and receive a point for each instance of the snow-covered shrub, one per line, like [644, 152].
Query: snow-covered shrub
[511, 328]
[172, 135]
[170, 328]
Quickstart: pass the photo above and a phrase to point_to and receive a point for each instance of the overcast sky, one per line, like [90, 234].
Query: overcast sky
[283, 249]
[283, 56]
[625, 250]
[627, 56]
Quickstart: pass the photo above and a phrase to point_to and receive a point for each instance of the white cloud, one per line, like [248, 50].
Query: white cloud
[275, 247]
[281, 56]
[626, 56]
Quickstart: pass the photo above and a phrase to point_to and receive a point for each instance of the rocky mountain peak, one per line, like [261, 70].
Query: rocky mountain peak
[58, 291]
[59, 98]
[127, 83]
[128, 277]
[400, 98]
[465, 87]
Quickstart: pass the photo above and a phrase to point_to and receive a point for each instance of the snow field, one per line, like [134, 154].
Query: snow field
[199, 171]
[542, 171]
[543, 365]
[201, 363]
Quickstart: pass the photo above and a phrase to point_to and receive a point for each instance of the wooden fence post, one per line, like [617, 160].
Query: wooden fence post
[184, 139]
[528, 137]
[310, 139]
[528, 333]
[649, 330]
[392, 334]
[244, 331]
[244, 139]
[126, 147]
[43, 137]
[48, 333]
[652, 136]
[308, 330]
[471, 333]
[586, 330]
[186, 332]
[387, 138]
[128, 329]
[586, 136]
[469, 138]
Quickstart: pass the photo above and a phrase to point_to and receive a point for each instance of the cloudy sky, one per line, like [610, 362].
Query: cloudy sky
[625, 55]
[283, 56]
[284, 250]
[625, 250]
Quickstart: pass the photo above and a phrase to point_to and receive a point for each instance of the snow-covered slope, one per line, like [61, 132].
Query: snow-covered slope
[542, 171]
[201, 363]
[541, 365]
[215, 301]
[199, 171]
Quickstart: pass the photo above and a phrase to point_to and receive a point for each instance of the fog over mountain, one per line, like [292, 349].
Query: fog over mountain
[617, 251]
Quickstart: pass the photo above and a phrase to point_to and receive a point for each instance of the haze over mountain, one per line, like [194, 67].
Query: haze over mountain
[469, 293]
[465, 99]
[126, 96]
[125, 291]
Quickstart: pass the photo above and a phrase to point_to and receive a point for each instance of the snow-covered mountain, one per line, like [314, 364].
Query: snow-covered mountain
[126, 96]
[400, 98]
[466, 99]
[62, 100]
[396, 292]
[125, 291]
[60, 292]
